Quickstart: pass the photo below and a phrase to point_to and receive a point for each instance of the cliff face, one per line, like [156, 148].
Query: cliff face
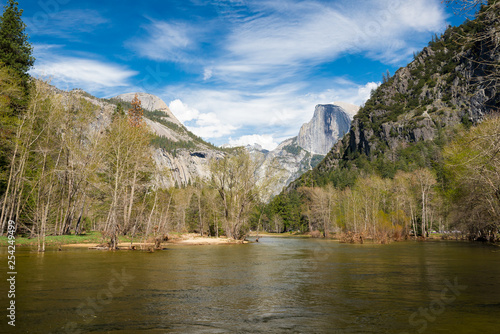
[453, 80]
[187, 157]
[300, 154]
[329, 123]
[185, 166]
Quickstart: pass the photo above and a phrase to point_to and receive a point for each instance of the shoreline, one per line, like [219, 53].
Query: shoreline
[186, 239]
[278, 235]
[174, 242]
[181, 240]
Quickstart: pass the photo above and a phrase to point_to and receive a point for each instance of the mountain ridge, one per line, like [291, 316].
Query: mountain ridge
[450, 82]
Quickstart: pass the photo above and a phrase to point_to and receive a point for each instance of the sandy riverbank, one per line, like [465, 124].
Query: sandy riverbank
[183, 239]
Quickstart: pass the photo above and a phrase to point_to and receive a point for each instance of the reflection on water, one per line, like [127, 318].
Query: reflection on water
[277, 285]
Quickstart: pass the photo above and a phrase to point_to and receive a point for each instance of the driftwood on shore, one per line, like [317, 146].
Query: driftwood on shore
[351, 237]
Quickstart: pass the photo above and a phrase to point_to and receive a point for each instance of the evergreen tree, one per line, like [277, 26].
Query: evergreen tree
[10, 89]
[15, 50]
[119, 112]
[135, 113]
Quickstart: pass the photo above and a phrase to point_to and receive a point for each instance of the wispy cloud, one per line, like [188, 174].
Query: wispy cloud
[70, 72]
[279, 40]
[297, 35]
[166, 41]
[64, 24]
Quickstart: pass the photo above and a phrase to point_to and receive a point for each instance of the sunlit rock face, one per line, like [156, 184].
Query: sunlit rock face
[329, 123]
[299, 154]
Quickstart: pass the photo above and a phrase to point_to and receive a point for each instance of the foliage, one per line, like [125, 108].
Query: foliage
[15, 50]
[293, 149]
[473, 179]
[135, 113]
[119, 111]
[373, 207]
[67, 172]
[170, 145]
[240, 189]
[10, 88]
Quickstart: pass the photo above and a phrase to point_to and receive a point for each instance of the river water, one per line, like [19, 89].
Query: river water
[278, 285]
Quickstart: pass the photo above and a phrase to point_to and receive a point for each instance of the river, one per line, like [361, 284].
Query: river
[278, 285]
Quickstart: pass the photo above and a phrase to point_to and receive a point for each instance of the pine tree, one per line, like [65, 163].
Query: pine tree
[10, 89]
[15, 50]
[135, 113]
[119, 112]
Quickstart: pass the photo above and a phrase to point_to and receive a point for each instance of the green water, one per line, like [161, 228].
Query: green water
[277, 285]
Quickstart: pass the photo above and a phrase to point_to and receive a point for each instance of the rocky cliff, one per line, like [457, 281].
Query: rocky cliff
[300, 154]
[329, 123]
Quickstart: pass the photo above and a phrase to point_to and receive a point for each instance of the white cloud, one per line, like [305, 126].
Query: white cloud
[421, 15]
[75, 72]
[182, 111]
[265, 118]
[207, 73]
[266, 141]
[209, 126]
[364, 92]
[165, 41]
[206, 125]
[293, 36]
[84, 72]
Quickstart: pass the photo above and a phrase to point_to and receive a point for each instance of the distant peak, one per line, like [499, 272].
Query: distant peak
[329, 123]
[148, 101]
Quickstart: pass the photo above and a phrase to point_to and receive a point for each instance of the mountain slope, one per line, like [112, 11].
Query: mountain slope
[454, 80]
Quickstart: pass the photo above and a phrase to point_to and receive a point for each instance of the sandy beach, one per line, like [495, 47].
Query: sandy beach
[183, 239]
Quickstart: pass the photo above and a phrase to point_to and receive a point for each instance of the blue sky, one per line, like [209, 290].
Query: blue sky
[233, 71]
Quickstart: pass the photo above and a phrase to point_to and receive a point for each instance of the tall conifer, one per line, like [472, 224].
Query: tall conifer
[15, 50]
[135, 113]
